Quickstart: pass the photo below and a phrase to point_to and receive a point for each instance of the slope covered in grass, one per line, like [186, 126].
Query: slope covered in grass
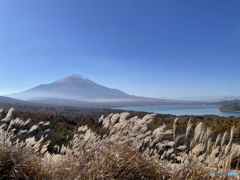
[128, 149]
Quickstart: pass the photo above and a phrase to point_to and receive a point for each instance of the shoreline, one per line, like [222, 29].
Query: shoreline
[228, 111]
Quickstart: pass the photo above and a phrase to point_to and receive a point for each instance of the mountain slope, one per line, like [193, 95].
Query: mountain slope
[75, 87]
[9, 100]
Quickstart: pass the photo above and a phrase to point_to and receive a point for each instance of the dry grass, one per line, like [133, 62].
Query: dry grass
[129, 150]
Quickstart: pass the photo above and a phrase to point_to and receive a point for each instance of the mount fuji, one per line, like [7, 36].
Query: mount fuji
[75, 87]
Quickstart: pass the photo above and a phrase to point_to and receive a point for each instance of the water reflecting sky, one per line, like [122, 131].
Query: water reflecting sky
[182, 110]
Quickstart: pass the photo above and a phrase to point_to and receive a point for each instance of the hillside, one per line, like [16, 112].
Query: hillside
[229, 101]
[10, 100]
[230, 107]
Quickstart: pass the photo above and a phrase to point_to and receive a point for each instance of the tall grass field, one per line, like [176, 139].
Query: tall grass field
[128, 150]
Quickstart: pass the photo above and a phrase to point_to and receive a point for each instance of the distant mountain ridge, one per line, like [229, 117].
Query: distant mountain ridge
[208, 98]
[76, 87]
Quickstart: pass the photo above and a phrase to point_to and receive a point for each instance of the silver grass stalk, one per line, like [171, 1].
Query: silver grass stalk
[33, 128]
[159, 130]
[177, 138]
[3, 126]
[82, 128]
[101, 119]
[123, 116]
[28, 121]
[207, 135]
[225, 135]
[47, 124]
[174, 134]
[174, 128]
[40, 123]
[201, 137]
[143, 128]
[9, 115]
[217, 141]
[114, 119]
[47, 130]
[215, 151]
[181, 148]
[189, 125]
[211, 159]
[106, 121]
[155, 140]
[234, 152]
[169, 131]
[197, 133]
[209, 144]
[197, 149]
[228, 147]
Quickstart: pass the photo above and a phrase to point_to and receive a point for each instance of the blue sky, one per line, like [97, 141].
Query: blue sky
[167, 48]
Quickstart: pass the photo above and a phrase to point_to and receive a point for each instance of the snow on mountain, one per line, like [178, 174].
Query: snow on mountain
[75, 86]
[75, 78]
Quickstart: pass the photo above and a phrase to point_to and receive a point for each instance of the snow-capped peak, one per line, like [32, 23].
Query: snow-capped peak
[74, 78]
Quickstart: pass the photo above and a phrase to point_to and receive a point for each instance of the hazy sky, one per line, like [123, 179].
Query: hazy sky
[156, 48]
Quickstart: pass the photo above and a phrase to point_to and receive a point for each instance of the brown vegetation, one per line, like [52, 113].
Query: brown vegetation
[118, 146]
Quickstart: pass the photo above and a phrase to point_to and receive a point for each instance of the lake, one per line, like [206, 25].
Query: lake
[182, 110]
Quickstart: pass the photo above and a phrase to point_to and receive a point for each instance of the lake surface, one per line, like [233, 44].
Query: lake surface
[182, 110]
